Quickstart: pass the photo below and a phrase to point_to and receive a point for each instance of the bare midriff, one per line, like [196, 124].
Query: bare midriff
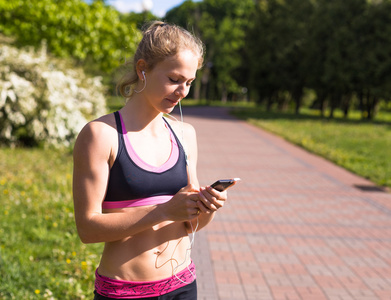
[153, 254]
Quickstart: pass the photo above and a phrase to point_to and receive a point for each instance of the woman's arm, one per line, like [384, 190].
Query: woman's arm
[94, 152]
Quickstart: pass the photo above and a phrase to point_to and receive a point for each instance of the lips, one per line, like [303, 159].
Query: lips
[174, 102]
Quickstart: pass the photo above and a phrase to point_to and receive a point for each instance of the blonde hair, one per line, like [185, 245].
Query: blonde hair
[160, 41]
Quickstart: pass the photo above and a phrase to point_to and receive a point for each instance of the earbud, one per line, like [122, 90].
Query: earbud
[142, 72]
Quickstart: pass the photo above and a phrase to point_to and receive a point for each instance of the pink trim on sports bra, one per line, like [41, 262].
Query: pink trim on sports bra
[174, 155]
[136, 202]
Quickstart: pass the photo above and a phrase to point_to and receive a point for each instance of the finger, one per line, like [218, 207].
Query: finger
[217, 197]
[216, 203]
[207, 200]
[220, 203]
[201, 206]
[214, 197]
[216, 193]
[193, 208]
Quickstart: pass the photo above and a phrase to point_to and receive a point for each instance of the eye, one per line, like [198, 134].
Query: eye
[173, 80]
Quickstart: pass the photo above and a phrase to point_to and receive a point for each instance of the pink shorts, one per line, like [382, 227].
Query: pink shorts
[121, 289]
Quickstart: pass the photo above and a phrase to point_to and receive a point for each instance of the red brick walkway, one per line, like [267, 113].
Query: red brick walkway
[296, 227]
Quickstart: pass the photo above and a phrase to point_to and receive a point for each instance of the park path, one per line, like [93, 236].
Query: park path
[296, 227]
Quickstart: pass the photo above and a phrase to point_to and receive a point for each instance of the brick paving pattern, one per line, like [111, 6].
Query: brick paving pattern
[296, 227]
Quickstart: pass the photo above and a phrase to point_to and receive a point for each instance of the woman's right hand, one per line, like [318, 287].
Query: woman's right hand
[183, 205]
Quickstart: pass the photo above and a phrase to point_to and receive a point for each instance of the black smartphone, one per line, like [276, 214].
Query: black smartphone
[223, 184]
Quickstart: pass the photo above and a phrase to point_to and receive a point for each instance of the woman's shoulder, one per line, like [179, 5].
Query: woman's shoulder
[101, 126]
[99, 132]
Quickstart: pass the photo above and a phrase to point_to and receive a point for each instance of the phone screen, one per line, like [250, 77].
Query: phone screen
[223, 184]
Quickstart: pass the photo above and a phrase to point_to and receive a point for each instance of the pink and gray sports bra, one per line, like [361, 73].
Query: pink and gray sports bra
[133, 182]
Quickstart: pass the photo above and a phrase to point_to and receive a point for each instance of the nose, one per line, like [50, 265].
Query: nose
[182, 90]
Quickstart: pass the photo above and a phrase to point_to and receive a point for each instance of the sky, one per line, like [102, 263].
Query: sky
[157, 7]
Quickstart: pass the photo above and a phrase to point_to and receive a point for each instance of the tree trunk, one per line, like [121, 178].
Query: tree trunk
[361, 103]
[269, 104]
[206, 74]
[197, 90]
[346, 104]
[282, 103]
[334, 100]
[322, 101]
[297, 96]
[371, 107]
[204, 82]
[224, 94]
[375, 103]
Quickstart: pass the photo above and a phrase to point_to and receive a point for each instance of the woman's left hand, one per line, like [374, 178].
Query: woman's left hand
[211, 200]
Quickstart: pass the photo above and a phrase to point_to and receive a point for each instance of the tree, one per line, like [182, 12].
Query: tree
[277, 47]
[138, 18]
[225, 24]
[349, 54]
[187, 15]
[221, 25]
[92, 34]
[374, 42]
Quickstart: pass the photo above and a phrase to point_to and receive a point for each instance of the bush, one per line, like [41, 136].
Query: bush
[44, 100]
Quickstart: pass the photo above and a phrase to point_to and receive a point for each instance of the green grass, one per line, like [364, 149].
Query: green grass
[40, 253]
[360, 146]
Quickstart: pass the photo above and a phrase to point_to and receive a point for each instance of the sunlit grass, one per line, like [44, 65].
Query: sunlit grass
[40, 253]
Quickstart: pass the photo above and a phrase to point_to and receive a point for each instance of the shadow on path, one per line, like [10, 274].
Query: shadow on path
[208, 112]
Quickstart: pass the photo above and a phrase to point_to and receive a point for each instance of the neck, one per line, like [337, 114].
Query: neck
[139, 116]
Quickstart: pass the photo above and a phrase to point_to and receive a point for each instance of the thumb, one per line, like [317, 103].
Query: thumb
[190, 188]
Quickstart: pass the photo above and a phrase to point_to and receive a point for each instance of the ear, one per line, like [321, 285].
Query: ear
[141, 67]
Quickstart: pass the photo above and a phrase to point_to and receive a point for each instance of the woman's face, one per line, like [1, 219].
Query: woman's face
[169, 81]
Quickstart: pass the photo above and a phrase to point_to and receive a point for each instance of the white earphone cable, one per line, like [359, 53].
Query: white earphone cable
[193, 230]
[145, 83]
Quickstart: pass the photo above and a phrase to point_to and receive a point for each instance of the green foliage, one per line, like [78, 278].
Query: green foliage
[276, 47]
[185, 15]
[221, 24]
[89, 33]
[41, 256]
[140, 19]
[279, 49]
[337, 48]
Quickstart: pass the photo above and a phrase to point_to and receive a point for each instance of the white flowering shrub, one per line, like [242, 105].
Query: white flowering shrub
[43, 100]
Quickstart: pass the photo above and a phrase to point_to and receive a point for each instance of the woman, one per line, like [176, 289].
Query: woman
[133, 188]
